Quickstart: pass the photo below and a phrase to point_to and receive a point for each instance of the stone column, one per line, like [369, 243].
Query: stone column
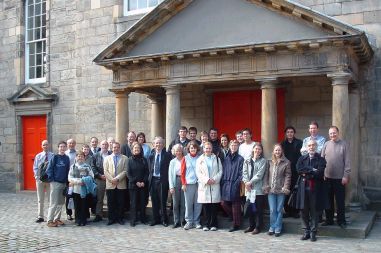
[121, 117]
[340, 102]
[269, 125]
[172, 114]
[156, 116]
[353, 196]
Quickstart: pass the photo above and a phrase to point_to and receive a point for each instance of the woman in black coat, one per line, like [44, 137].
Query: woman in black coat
[312, 195]
[231, 183]
[137, 174]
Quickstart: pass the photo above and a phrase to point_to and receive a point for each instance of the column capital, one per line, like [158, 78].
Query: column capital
[120, 92]
[340, 78]
[171, 89]
[156, 99]
[267, 82]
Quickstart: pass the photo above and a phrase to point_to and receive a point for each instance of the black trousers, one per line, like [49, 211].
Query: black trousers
[80, 208]
[310, 216]
[336, 191]
[210, 211]
[256, 218]
[115, 203]
[159, 195]
[138, 203]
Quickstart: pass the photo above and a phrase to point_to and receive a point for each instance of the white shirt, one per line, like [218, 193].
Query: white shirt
[246, 150]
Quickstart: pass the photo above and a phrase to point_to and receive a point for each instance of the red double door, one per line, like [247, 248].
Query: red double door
[237, 110]
[33, 133]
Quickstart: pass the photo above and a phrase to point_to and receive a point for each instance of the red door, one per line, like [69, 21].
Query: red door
[33, 133]
[237, 110]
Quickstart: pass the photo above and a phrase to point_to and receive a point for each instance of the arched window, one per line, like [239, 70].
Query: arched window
[35, 41]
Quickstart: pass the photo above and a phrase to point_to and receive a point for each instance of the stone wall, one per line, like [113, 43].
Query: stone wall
[366, 15]
[11, 25]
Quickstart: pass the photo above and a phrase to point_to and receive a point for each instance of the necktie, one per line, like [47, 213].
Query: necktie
[94, 151]
[46, 157]
[157, 165]
[115, 164]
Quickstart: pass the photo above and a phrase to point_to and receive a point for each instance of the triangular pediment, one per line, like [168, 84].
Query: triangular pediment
[186, 26]
[32, 93]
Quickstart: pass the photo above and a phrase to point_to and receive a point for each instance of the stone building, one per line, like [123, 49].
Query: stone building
[189, 63]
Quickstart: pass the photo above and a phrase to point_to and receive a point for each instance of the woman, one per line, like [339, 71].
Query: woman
[141, 137]
[174, 178]
[253, 172]
[224, 150]
[209, 172]
[137, 174]
[231, 183]
[77, 174]
[189, 186]
[277, 185]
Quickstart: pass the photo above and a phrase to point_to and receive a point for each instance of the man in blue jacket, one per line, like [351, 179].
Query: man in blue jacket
[57, 171]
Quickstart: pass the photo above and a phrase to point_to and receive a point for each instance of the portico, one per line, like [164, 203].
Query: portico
[175, 47]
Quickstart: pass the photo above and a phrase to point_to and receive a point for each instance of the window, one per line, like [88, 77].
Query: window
[35, 41]
[132, 7]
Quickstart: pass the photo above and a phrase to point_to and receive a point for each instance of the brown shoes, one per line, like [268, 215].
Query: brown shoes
[52, 224]
[255, 231]
[59, 222]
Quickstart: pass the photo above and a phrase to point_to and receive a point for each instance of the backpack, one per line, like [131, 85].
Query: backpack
[43, 168]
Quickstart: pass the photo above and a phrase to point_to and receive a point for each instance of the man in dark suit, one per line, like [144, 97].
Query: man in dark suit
[158, 179]
[94, 146]
[126, 148]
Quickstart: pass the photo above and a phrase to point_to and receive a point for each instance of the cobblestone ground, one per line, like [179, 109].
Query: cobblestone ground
[19, 233]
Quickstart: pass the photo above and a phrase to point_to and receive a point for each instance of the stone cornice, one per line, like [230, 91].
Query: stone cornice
[346, 34]
[32, 93]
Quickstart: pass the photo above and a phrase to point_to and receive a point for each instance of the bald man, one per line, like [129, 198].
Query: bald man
[41, 187]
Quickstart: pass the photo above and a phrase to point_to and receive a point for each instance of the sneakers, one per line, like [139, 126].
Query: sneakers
[59, 222]
[198, 226]
[205, 229]
[52, 224]
[39, 220]
[188, 226]
[213, 229]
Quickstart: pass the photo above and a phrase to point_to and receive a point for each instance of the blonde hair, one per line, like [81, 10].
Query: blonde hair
[177, 147]
[273, 157]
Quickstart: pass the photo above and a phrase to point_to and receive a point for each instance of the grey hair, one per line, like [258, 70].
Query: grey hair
[177, 147]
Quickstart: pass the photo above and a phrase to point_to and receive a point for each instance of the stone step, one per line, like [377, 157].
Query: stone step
[359, 224]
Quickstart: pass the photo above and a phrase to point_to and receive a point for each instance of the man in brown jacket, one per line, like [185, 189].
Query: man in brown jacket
[115, 169]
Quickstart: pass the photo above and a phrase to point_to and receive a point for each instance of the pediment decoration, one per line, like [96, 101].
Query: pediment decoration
[178, 29]
[32, 93]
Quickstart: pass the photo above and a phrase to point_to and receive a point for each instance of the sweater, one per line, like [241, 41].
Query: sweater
[336, 153]
[188, 170]
[58, 168]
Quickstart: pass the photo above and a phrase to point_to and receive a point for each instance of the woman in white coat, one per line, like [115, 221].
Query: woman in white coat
[209, 172]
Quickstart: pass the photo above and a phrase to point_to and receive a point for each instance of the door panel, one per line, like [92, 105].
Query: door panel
[236, 110]
[34, 132]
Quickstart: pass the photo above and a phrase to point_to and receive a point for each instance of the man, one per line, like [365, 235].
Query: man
[126, 148]
[311, 196]
[239, 137]
[41, 158]
[213, 138]
[71, 153]
[94, 146]
[58, 171]
[320, 140]
[100, 178]
[193, 135]
[246, 148]
[110, 141]
[336, 153]
[158, 179]
[180, 139]
[291, 148]
[115, 171]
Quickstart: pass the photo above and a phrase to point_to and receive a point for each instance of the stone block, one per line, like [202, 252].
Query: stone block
[332, 9]
[68, 74]
[353, 19]
[372, 17]
[95, 4]
[8, 131]
[360, 6]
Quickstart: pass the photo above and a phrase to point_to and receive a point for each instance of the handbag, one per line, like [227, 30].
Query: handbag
[292, 200]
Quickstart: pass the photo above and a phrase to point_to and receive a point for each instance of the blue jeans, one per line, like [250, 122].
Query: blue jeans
[276, 202]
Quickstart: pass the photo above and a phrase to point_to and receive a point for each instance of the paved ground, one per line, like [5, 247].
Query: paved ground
[19, 233]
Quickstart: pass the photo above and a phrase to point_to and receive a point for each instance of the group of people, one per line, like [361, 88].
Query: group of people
[203, 174]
